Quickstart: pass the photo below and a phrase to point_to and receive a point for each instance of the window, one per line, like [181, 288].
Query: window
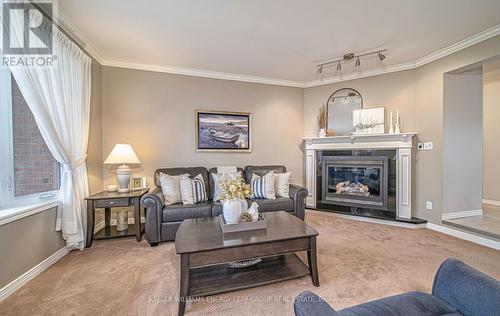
[28, 171]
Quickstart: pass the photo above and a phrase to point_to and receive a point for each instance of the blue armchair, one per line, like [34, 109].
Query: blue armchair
[458, 289]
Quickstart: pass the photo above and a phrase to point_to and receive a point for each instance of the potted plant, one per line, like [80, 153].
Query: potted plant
[234, 191]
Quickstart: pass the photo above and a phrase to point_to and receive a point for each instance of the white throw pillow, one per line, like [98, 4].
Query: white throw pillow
[171, 189]
[282, 184]
[193, 190]
[263, 187]
[217, 177]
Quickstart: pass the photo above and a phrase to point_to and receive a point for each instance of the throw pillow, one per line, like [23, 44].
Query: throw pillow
[192, 190]
[217, 177]
[171, 189]
[263, 187]
[282, 184]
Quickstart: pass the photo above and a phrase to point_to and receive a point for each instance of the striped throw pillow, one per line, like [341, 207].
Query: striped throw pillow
[263, 187]
[193, 190]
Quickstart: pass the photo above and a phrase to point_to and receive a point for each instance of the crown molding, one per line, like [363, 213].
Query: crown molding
[73, 31]
[472, 40]
[204, 73]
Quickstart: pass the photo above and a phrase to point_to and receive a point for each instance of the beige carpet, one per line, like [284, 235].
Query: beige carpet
[358, 261]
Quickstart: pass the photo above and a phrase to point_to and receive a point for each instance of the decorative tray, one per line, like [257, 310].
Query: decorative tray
[261, 223]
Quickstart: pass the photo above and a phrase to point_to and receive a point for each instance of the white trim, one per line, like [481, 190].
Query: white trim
[204, 73]
[31, 273]
[370, 220]
[461, 214]
[491, 202]
[472, 40]
[16, 213]
[465, 236]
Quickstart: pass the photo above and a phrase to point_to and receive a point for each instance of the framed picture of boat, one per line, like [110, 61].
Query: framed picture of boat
[222, 131]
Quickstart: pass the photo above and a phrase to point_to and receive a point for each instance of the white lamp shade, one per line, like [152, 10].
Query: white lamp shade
[122, 154]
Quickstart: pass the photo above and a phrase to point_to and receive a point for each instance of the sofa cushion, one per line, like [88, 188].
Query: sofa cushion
[278, 204]
[192, 171]
[179, 212]
[261, 170]
[408, 304]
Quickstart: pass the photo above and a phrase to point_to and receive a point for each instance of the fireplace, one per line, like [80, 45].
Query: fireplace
[357, 181]
[362, 175]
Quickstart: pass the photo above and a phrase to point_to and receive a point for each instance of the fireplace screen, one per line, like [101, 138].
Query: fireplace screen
[358, 181]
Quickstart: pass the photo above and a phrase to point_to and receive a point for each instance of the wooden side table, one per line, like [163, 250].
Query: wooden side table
[107, 200]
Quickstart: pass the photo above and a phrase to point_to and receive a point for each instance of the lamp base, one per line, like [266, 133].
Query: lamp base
[123, 174]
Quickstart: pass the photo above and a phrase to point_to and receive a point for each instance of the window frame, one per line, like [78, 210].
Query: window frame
[7, 192]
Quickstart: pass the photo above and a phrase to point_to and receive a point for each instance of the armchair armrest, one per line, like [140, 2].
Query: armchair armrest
[298, 194]
[310, 304]
[154, 203]
[467, 289]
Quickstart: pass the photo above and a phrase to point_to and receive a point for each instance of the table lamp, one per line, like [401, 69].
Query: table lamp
[123, 154]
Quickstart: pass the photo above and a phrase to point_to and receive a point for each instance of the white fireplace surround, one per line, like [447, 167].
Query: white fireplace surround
[402, 143]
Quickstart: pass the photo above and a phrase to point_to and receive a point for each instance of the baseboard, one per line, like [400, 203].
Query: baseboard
[32, 273]
[491, 202]
[455, 215]
[465, 236]
[369, 220]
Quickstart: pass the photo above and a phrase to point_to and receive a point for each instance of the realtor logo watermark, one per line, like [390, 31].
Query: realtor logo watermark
[27, 34]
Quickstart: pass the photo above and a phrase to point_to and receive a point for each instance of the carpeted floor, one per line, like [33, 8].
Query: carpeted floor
[358, 261]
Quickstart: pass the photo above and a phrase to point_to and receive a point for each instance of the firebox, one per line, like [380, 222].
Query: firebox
[356, 181]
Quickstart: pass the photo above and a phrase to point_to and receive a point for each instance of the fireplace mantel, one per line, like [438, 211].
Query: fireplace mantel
[375, 141]
[402, 143]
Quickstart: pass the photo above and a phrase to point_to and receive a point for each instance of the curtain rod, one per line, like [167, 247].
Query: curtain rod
[60, 28]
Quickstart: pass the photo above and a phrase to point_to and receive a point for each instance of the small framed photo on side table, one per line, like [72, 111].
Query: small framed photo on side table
[138, 183]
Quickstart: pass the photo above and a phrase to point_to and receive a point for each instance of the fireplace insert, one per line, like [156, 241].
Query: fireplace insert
[359, 181]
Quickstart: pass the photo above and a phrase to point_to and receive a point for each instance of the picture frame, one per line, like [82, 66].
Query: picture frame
[138, 183]
[369, 121]
[222, 131]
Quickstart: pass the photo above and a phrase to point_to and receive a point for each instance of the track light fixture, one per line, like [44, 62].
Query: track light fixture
[347, 57]
[320, 70]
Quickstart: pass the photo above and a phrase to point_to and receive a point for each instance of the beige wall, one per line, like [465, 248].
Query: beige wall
[154, 112]
[418, 94]
[463, 159]
[491, 142]
[27, 242]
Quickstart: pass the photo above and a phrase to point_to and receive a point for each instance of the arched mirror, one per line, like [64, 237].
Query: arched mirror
[339, 110]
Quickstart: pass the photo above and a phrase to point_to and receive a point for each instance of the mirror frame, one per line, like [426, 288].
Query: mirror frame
[327, 101]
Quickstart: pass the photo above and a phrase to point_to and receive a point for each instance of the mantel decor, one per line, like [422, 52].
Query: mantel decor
[222, 131]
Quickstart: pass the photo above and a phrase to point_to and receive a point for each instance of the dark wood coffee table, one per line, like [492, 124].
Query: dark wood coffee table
[205, 251]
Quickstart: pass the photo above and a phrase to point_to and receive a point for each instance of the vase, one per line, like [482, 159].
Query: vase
[232, 210]
[122, 220]
[322, 133]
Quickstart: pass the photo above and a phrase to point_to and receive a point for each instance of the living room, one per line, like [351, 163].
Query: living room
[269, 158]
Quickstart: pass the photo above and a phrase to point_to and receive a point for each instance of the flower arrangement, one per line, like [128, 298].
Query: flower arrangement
[234, 188]
[321, 118]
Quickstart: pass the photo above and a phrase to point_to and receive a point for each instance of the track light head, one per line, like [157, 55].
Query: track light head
[339, 66]
[320, 70]
[358, 62]
[381, 56]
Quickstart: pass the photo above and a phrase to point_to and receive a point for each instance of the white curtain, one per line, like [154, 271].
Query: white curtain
[59, 98]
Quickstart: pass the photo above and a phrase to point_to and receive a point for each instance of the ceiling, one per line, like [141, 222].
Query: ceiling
[278, 39]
